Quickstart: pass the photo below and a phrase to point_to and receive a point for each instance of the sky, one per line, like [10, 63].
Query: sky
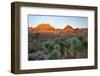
[58, 21]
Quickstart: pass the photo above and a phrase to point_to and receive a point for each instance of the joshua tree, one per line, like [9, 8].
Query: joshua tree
[36, 35]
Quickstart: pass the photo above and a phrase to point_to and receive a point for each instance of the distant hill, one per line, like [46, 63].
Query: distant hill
[47, 28]
[69, 29]
[44, 27]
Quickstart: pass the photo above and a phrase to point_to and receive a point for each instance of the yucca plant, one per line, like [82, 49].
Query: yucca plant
[66, 47]
[76, 47]
[52, 50]
[55, 53]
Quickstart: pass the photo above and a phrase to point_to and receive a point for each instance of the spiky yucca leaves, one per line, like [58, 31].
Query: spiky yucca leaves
[73, 46]
[52, 50]
[84, 41]
[62, 45]
[67, 47]
[76, 47]
[55, 54]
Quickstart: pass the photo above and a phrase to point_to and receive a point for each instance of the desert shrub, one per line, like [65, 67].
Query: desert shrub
[55, 54]
[58, 48]
[52, 50]
[76, 47]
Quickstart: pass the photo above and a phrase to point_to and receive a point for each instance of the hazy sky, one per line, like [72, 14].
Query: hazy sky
[58, 21]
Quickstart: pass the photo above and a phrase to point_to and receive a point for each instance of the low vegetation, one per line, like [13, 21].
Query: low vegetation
[62, 47]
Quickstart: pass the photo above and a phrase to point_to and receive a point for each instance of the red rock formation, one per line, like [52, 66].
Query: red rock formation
[47, 28]
[69, 29]
[44, 27]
